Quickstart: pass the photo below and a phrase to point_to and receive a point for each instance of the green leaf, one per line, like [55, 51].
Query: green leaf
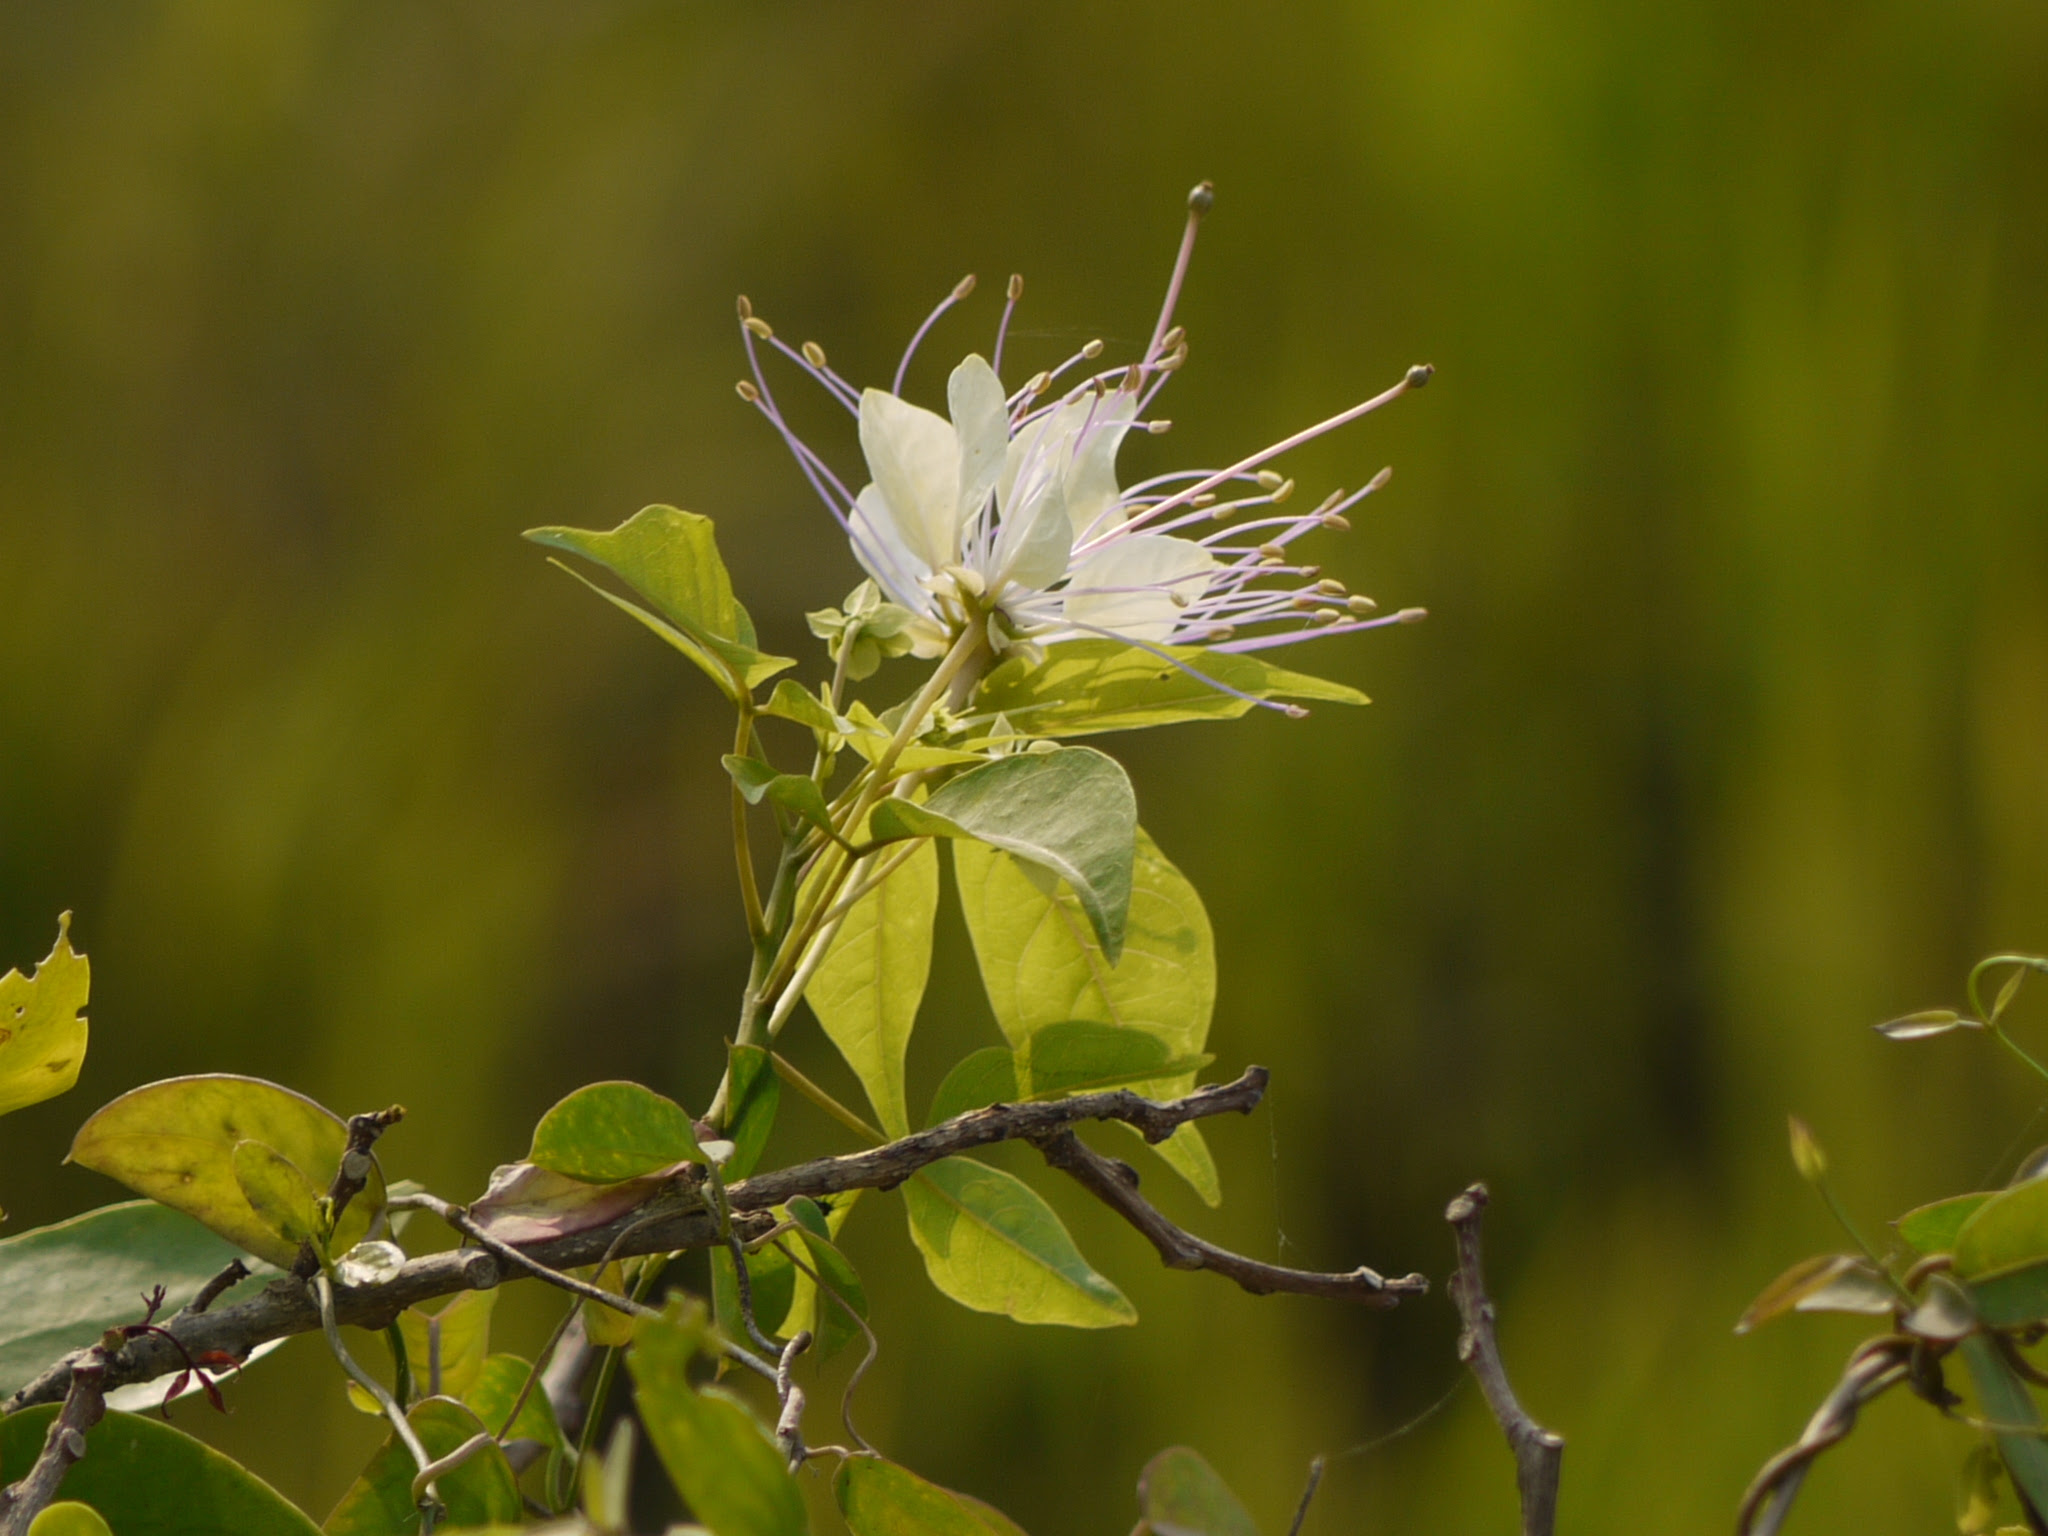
[826, 1317]
[1827, 1282]
[277, 1190]
[42, 1029]
[2006, 1231]
[63, 1286]
[1084, 687]
[610, 1132]
[2007, 1401]
[1070, 812]
[2012, 1298]
[455, 1339]
[1082, 1056]
[1042, 968]
[792, 701]
[482, 1491]
[1933, 1228]
[671, 558]
[773, 1280]
[756, 1094]
[987, 1076]
[726, 1465]
[867, 991]
[804, 1302]
[174, 1141]
[794, 792]
[879, 1498]
[496, 1388]
[69, 1519]
[148, 1479]
[1181, 1495]
[993, 1245]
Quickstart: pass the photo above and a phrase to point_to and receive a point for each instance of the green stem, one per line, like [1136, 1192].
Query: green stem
[742, 845]
[608, 1366]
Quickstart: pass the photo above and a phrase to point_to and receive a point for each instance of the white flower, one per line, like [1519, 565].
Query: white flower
[1006, 512]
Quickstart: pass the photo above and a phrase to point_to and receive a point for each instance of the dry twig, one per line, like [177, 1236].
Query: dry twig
[1539, 1453]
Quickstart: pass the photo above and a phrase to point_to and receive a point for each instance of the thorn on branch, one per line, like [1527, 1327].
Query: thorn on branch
[1539, 1453]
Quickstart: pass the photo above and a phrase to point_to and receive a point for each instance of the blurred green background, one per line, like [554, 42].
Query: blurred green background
[1726, 737]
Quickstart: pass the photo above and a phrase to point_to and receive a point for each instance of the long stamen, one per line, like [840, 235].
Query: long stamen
[1415, 378]
[1266, 642]
[811, 358]
[1200, 201]
[960, 291]
[1014, 292]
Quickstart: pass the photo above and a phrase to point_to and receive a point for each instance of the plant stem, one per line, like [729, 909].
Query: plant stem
[742, 846]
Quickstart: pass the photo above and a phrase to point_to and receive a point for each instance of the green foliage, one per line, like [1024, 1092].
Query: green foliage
[1182, 1496]
[447, 1349]
[283, 1198]
[993, 1245]
[984, 1077]
[147, 1479]
[1933, 1228]
[64, 1285]
[731, 1473]
[42, 1025]
[175, 1142]
[494, 1389]
[867, 990]
[879, 1498]
[756, 1095]
[670, 558]
[1043, 970]
[1087, 687]
[1070, 812]
[610, 1132]
[828, 1319]
[792, 792]
[480, 1491]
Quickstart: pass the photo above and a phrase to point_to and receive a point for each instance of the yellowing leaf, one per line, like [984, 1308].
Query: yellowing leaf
[993, 1245]
[42, 1028]
[174, 1141]
[447, 1349]
[867, 991]
[1042, 968]
[69, 1518]
[277, 1190]
[671, 558]
[1083, 687]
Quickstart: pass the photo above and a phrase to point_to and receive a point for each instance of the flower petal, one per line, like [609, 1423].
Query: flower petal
[880, 549]
[1128, 587]
[1034, 542]
[914, 456]
[981, 421]
[1091, 480]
